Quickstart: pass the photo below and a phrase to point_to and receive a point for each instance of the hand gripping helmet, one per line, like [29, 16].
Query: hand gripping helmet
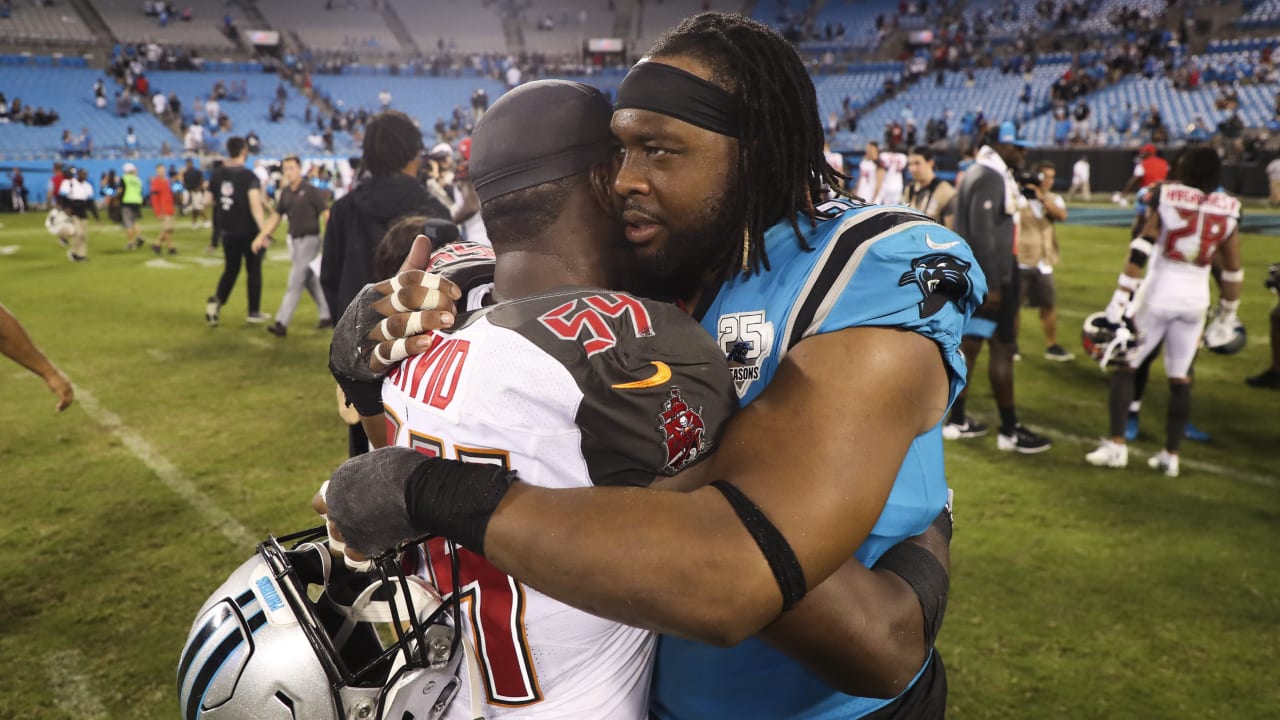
[1104, 342]
[1224, 338]
[295, 636]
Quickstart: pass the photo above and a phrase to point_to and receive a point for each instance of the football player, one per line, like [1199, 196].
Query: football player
[1189, 221]
[1142, 206]
[815, 307]
[600, 423]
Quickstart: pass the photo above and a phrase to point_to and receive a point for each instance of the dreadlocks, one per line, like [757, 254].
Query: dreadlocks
[780, 151]
[391, 140]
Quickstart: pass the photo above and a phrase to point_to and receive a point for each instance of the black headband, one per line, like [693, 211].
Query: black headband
[684, 96]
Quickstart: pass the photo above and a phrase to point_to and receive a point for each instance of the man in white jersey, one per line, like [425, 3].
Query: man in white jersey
[892, 182]
[870, 173]
[1189, 222]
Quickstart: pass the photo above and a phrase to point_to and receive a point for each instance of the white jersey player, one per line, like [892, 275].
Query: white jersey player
[586, 387]
[870, 173]
[1189, 222]
[892, 182]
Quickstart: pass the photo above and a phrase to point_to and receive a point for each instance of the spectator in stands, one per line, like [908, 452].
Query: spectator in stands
[4, 109]
[254, 143]
[1038, 253]
[130, 142]
[392, 153]
[275, 111]
[213, 110]
[1080, 179]
[193, 139]
[160, 105]
[479, 103]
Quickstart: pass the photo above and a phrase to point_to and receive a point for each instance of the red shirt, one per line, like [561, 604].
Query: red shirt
[1154, 170]
[161, 196]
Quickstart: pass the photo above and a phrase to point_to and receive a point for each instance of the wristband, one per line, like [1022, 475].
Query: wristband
[456, 499]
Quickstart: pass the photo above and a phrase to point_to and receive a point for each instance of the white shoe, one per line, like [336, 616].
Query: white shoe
[211, 311]
[257, 318]
[1164, 461]
[1109, 454]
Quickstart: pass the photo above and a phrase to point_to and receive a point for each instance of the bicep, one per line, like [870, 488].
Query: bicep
[818, 451]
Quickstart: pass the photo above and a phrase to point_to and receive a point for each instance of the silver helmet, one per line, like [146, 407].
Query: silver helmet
[296, 636]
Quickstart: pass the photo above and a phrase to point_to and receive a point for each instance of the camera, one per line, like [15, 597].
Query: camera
[1029, 182]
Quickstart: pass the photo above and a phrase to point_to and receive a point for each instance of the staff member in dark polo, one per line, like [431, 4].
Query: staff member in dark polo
[306, 207]
[987, 203]
[236, 194]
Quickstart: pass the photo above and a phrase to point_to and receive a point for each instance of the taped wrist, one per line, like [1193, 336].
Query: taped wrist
[366, 502]
[365, 396]
[456, 499]
[777, 551]
[1139, 250]
[922, 571]
[349, 350]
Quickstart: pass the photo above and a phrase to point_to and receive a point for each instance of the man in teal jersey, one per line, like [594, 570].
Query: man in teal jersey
[842, 322]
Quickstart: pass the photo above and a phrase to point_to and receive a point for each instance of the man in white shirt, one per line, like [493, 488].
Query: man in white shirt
[77, 193]
[1273, 176]
[1080, 179]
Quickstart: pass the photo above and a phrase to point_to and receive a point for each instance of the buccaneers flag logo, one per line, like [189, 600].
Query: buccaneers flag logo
[684, 431]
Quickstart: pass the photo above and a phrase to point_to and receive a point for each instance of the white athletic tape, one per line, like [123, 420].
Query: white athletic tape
[430, 281]
[431, 300]
[384, 327]
[413, 326]
[399, 351]
[377, 355]
[395, 284]
[399, 306]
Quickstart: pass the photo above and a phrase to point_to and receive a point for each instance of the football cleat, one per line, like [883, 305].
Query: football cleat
[1164, 461]
[211, 308]
[970, 428]
[1023, 441]
[1109, 454]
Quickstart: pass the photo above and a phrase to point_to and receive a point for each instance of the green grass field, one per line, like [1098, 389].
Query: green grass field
[1077, 593]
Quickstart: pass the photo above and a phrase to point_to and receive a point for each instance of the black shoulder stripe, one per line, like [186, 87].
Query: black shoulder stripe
[846, 245]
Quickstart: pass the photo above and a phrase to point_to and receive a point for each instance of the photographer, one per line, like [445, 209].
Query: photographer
[1270, 378]
[1038, 250]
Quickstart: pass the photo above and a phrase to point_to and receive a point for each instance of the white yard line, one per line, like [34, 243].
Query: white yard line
[73, 694]
[165, 470]
[1141, 455]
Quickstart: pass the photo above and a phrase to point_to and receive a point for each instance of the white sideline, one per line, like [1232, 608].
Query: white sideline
[74, 697]
[165, 470]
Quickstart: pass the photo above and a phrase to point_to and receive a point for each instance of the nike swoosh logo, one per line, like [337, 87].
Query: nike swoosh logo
[660, 376]
[939, 246]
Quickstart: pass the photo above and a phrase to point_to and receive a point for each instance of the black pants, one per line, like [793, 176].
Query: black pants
[235, 248]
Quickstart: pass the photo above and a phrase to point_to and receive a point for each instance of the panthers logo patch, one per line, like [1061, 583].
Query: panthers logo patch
[940, 278]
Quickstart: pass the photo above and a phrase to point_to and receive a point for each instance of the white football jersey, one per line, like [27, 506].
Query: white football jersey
[867, 178]
[1192, 225]
[570, 389]
[894, 164]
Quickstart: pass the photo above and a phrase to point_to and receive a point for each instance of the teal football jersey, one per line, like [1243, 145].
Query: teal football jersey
[868, 265]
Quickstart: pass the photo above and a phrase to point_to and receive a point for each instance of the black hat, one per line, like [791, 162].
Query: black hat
[539, 132]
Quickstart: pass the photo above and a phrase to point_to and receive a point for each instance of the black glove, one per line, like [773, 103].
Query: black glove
[383, 498]
[349, 353]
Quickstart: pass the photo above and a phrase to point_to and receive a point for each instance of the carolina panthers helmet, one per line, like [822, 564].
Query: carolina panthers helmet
[1225, 339]
[59, 224]
[1105, 342]
[292, 635]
